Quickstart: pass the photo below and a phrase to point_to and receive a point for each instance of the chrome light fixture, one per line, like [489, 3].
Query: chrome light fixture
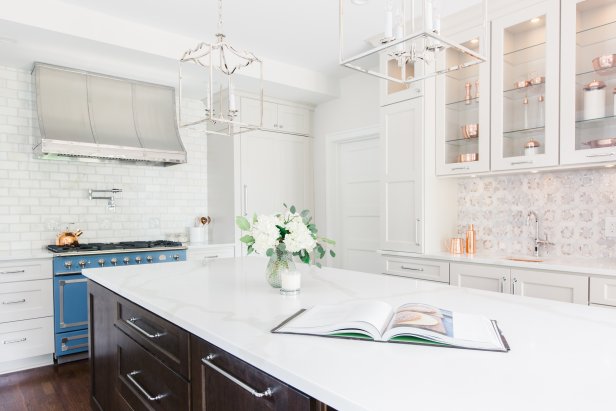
[219, 61]
[402, 41]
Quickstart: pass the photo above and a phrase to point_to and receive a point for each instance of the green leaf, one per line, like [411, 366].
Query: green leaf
[250, 249]
[319, 265]
[285, 205]
[328, 241]
[292, 209]
[282, 247]
[242, 223]
[248, 239]
[269, 252]
[305, 213]
[332, 253]
[320, 250]
[312, 228]
[254, 218]
[305, 258]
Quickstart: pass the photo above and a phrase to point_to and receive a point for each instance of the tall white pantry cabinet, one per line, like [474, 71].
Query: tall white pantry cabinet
[257, 171]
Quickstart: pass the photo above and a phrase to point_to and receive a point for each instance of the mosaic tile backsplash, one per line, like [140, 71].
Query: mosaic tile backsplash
[571, 205]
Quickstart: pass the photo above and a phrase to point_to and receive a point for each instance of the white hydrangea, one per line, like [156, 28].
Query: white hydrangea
[299, 237]
[265, 233]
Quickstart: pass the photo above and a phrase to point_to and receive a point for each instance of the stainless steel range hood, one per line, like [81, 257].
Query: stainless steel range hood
[89, 115]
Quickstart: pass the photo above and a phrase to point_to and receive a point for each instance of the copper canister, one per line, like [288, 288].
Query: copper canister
[471, 237]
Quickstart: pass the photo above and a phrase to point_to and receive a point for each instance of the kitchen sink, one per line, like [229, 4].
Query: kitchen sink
[525, 259]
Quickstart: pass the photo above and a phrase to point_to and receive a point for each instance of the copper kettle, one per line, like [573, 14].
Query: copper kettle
[68, 238]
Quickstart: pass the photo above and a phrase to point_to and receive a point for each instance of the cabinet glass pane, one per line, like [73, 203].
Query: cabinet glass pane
[595, 82]
[524, 69]
[462, 93]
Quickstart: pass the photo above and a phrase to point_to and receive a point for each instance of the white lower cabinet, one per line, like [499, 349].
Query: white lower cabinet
[419, 269]
[603, 291]
[482, 277]
[210, 253]
[26, 314]
[571, 288]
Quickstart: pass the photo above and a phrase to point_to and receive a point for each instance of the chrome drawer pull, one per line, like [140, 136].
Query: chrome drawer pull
[14, 341]
[411, 268]
[23, 300]
[517, 163]
[131, 322]
[210, 256]
[460, 168]
[13, 272]
[65, 340]
[140, 388]
[600, 155]
[207, 361]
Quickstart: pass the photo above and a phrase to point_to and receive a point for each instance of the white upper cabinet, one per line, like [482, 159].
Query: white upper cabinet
[463, 115]
[401, 176]
[588, 122]
[525, 87]
[281, 117]
[393, 92]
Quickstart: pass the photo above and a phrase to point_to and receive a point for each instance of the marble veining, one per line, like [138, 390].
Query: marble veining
[571, 205]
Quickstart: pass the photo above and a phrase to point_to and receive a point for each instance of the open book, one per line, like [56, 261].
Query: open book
[409, 323]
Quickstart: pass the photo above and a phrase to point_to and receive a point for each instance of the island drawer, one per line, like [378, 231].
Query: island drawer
[603, 291]
[22, 270]
[26, 299]
[224, 382]
[417, 268]
[145, 383]
[166, 341]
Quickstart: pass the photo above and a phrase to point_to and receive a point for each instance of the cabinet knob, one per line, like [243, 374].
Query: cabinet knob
[68, 264]
[82, 263]
[101, 262]
[126, 260]
[138, 260]
[149, 258]
[114, 261]
[176, 257]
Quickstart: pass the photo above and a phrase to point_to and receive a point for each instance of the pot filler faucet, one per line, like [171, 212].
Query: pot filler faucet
[538, 242]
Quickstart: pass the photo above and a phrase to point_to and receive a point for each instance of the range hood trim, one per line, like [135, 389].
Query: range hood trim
[55, 148]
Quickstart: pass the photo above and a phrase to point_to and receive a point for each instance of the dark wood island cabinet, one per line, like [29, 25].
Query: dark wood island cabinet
[140, 361]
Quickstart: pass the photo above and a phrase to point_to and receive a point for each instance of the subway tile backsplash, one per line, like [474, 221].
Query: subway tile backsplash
[571, 205]
[39, 197]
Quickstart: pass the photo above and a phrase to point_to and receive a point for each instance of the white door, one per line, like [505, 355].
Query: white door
[276, 169]
[358, 205]
[568, 288]
[481, 277]
[401, 176]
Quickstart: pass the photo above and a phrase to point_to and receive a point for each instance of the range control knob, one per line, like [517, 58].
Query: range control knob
[126, 260]
[82, 263]
[114, 261]
[68, 264]
[176, 257]
[149, 258]
[138, 260]
[101, 262]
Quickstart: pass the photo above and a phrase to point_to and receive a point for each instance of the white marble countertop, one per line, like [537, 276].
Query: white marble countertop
[34, 254]
[579, 265]
[562, 355]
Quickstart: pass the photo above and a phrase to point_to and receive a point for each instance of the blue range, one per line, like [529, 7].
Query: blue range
[70, 287]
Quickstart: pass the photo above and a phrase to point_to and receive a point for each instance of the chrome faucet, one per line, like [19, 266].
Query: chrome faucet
[538, 242]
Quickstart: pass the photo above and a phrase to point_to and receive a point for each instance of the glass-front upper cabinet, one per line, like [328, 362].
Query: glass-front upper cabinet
[525, 87]
[463, 111]
[588, 86]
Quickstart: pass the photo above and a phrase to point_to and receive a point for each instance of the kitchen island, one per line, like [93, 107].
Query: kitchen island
[562, 355]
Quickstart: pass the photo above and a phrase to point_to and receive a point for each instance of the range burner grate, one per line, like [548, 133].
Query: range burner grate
[123, 245]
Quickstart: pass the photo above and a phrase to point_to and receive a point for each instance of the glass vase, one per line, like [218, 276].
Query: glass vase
[278, 262]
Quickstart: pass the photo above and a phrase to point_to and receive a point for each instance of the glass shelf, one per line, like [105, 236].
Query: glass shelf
[608, 120]
[462, 141]
[534, 90]
[586, 77]
[525, 133]
[462, 106]
[525, 54]
[589, 36]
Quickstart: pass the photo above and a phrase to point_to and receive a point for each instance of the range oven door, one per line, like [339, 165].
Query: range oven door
[70, 302]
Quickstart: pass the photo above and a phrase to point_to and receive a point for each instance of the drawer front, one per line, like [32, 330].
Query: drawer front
[223, 382]
[71, 342]
[210, 253]
[28, 338]
[145, 383]
[25, 300]
[22, 270]
[603, 291]
[166, 341]
[417, 268]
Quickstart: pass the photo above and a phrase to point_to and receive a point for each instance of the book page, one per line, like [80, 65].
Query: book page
[421, 319]
[371, 317]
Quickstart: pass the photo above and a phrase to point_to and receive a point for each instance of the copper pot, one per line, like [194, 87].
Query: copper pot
[68, 238]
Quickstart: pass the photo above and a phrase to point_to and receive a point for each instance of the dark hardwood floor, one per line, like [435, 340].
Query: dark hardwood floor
[63, 387]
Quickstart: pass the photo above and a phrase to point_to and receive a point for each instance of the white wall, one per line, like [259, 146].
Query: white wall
[38, 197]
[357, 107]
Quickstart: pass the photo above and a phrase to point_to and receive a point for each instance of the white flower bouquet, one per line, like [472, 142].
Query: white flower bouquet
[282, 236]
